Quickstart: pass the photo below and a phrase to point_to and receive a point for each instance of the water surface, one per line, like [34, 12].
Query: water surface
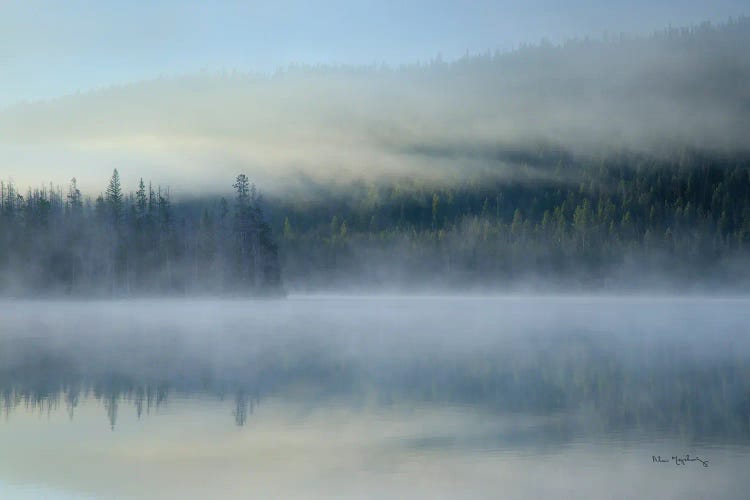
[431, 397]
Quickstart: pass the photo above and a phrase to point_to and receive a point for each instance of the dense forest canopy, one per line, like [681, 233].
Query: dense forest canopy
[622, 222]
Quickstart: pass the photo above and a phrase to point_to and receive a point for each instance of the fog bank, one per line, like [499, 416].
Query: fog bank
[677, 89]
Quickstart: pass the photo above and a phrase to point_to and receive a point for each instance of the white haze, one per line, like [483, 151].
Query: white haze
[196, 132]
[374, 397]
[366, 329]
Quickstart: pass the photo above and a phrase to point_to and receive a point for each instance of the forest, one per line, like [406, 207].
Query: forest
[622, 221]
[618, 222]
[598, 164]
[136, 243]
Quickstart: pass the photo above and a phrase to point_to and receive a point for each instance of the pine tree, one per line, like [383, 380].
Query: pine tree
[141, 200]
[114, 198]
[74, 198]
[243, 229]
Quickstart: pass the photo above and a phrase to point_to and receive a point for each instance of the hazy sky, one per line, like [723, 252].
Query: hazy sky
[196, 133]
[50, 48]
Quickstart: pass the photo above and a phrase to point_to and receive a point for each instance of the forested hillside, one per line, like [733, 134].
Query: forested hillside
[621, 222]
[682, 88]
[607, 164]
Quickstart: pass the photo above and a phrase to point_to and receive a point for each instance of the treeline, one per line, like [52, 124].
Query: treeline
[624, 220]
[621, 221]
[135, 243]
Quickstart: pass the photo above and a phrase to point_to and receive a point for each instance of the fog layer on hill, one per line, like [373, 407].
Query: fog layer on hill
[678, 88]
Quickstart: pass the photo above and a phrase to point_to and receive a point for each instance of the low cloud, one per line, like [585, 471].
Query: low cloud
[650, 95]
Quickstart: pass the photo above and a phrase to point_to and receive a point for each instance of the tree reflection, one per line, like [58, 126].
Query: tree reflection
[243, 406]
[662, 389]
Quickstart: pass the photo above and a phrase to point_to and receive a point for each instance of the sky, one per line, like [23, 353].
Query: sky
[89, 86]
[50, 48]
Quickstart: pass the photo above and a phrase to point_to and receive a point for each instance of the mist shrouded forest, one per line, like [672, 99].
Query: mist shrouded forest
[594, 164]
[136, 243]
[618, 222]
[622, 221]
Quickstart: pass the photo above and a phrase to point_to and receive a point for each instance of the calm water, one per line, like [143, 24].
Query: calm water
[431, 397]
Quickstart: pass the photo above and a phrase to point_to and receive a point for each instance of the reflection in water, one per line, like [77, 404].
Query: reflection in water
[441, 378]
[663, 384]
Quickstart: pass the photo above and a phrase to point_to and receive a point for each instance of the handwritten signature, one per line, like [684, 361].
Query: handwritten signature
[678, 460]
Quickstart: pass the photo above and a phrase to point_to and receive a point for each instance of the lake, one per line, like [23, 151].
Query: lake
[376, 397]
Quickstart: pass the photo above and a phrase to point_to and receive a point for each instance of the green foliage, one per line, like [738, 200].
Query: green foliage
[627, 217]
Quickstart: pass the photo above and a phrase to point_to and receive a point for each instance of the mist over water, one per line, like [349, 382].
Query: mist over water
[152, 231]
[377, 395]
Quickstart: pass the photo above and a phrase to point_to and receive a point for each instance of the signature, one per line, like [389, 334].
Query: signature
[678, 460]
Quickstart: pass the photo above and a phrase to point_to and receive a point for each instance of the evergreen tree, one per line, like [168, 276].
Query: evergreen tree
[114, 198]
[75, 200]
[141, 200]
